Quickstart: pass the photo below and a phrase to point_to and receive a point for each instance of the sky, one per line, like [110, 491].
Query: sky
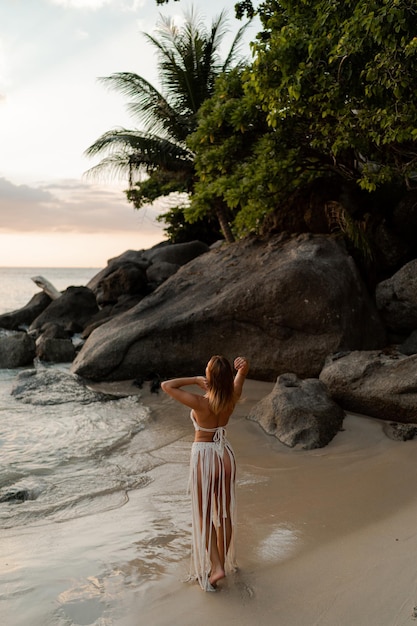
[53, 107]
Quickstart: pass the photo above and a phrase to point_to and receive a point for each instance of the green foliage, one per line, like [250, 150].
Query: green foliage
[225, 144]
[346, 71]
[331, 92]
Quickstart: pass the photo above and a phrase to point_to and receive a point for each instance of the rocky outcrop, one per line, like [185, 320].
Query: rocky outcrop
[396, 299]
[300, 413]
[24, 317]
[73, 310]
[46, 386]
[374, 383]
[140, 272]
[284, 302]
[55, 350]
[17, 349]
[127, 279]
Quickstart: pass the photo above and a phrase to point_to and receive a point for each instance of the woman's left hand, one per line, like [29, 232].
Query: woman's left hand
[201, 381]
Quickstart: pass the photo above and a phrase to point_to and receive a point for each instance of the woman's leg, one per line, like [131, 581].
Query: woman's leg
[223, 495]
[206, 489]
[224, 530]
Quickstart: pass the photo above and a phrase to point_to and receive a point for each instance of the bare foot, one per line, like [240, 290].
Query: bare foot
[216, 575]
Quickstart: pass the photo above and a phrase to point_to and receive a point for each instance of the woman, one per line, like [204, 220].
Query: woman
[212, 466]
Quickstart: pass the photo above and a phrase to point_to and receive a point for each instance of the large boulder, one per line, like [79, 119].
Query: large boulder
[74, 308]
[25, 316]
[175, 254]
[300, 413]
[396, 299]
[126, 279]
[178, 253]
[286, 303]
[17, 349]
[54, 349]
[129, 257]
[378, 384]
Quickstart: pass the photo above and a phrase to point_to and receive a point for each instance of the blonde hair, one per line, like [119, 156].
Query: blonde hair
[220, 384]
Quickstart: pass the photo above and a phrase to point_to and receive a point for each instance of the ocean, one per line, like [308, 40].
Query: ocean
[65, 462]
[17, 288]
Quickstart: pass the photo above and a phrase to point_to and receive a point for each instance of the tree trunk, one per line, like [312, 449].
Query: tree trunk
[224, 224]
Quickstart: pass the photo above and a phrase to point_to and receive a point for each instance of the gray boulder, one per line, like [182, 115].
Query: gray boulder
[178, 253]
[126, 279]
[396, 299]
[300, 413]
[16, 350]
[75, 307]
[400, 432]
[25, 316]
[159, 272]
[409, 346]
[46, 386]
[55, 350]
[130, 257]
[374, 383]
[286, 303]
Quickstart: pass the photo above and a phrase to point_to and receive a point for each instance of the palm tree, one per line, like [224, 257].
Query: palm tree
[155, 159]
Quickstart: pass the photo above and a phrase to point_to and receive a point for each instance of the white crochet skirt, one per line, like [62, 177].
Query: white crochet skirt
[210, 507]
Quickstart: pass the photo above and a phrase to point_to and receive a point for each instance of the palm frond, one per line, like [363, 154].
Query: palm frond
[130, 151]
[148, 105]
[339, 219]
[233, 57]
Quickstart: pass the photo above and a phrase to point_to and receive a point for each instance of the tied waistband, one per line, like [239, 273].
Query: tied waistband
[220, 437]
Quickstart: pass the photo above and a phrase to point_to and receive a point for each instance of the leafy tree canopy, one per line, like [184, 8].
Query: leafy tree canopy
[331, 91]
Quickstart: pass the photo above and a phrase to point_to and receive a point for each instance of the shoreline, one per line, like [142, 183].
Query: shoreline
[325, 537]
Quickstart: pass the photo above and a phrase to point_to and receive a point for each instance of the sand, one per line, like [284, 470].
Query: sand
[326, 537]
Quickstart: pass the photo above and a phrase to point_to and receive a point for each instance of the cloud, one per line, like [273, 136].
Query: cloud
[126, 5]
[71, 206]
[81, 4]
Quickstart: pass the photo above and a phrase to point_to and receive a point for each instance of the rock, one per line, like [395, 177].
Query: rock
[163, 253]
[51, 330]
[285, 303]
[52, 386]
[14, 495]
[400, 432]
[299, 413]
[16, 350]
[127, 279]
[409, 346]
[159, 272]
[374, 383]
[25, 316]
[77, 305]
[396, 299]
[177, 253]
[55, 350]
[130, 257]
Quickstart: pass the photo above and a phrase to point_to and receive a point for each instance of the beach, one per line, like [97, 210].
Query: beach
[325, 537]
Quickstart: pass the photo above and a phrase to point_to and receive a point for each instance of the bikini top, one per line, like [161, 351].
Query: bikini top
[219, 431]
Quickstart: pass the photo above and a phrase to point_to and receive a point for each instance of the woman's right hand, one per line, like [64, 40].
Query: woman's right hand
[241, 364]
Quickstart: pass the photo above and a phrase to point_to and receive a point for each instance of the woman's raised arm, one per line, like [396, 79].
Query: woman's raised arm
[241, 365]
[173, 388]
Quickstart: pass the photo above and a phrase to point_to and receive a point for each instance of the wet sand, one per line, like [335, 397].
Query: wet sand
[325, 537]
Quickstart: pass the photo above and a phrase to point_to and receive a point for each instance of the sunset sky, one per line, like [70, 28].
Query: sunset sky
[52, 107]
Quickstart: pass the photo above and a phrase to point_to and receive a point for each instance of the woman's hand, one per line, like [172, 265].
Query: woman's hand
[201, 381]
[241, 365]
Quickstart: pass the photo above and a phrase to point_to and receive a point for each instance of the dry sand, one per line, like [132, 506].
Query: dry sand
[325, 537]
